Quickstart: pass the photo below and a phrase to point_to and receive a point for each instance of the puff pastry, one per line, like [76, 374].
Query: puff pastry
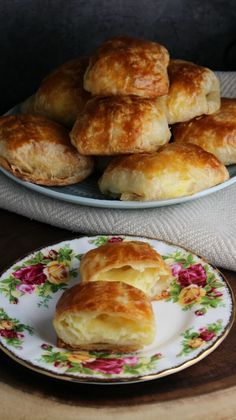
[111, 316]
[215, 133]
[174, 171]
[133, 262]
[121, 125]
[61, 95]
[128, 66]
[37, 149]
[194, 90]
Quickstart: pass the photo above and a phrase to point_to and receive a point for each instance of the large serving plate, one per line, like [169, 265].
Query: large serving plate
[87, 192]
[192, 317]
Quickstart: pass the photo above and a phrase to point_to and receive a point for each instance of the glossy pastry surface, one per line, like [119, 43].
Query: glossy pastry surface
[37, 149]
[110, 316]
[174, 171]
[61, 95]
[194, 90]
[128, 66]
[215, 133]
[132, 262]
[121, 125]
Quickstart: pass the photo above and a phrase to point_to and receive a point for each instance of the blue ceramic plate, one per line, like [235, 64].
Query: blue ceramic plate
[87, 192]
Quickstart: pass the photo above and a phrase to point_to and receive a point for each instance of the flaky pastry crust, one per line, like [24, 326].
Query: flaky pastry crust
[132, 262]
[37, 149]
[121, 125]
[174, 171]
[128, 66]
[194, 90]
[103, 311]
[215, 133]
[61, 96]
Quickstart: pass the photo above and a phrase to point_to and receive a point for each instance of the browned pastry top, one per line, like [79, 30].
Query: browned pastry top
[128, 66]
[61, 95]
[106, 297]
[120, 125]
[39, 150]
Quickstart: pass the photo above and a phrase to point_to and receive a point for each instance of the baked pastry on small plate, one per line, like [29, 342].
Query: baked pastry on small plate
[36, 149]
[132, 262]
[194, 90]
[121, 125]
[128, 66]
[110, 316]
[61, 95]
[215, 133]
[176, 170]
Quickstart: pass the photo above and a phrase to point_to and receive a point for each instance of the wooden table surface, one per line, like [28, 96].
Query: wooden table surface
[210, 384]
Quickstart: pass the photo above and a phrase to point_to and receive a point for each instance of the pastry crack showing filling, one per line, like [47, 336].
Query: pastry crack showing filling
[135, 263]
[111, 316]
[89, 328]
[148, 280]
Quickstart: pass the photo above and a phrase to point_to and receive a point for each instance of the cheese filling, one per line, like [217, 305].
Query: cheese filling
[88, 328]
[149, 280]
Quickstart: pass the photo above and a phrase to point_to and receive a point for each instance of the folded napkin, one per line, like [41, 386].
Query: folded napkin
[206, 226]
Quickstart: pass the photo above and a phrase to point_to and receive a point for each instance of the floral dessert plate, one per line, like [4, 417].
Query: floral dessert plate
[193, 315]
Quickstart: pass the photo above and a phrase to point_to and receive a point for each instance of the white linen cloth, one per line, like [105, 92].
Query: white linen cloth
[206, 226]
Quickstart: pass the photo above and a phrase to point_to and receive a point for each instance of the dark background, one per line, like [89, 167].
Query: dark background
[38, 35]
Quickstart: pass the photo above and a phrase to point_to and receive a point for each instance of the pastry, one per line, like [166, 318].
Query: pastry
[110, 316]
[215, 133]
[194, 90]
[121, 125]
[128, 66]
[133, 262]
[36, 149]
[174, 171]
[61, 95]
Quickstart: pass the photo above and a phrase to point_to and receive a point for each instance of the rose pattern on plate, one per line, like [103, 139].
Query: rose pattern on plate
[195, 339]
[102, 240]
[11, 330]
[43, 274]
[190, 287]
[92, 363]
[194, 284]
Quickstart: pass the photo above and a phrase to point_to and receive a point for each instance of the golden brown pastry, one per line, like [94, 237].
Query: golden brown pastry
[111, 316]
[174, 171]
[37, 149]
[128, 66]
[194, 90]
[133, 262]
[121, 125]
[215, 133]
[61, 95]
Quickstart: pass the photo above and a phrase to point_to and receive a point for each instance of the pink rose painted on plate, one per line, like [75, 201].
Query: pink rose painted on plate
[206, 335]
[106, 365]
[25, 288]
[115, 239]
[195, 274]
[33, 274]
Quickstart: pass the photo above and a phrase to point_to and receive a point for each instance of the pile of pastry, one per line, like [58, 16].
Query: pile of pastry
[117, 109]
[110, 309]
